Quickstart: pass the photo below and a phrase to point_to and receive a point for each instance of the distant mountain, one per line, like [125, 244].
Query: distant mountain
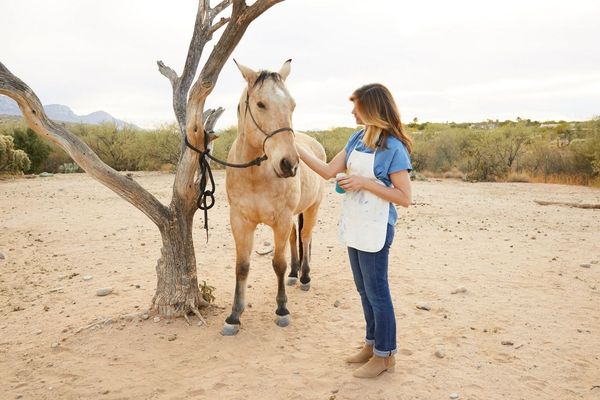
[58, 112]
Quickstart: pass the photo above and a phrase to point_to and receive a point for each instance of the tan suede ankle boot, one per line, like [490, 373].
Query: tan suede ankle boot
[362, 356]
[376, 366]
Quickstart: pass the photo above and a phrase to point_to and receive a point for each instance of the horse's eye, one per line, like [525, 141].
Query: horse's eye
[260, 104]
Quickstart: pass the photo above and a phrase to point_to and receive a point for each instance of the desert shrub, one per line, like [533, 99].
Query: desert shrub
[156, 150]
[37, 149]
[483, 161]
[69, 168]
[222, 144]
[12, 161]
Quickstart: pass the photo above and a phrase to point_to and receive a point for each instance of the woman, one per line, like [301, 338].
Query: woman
[377, 165]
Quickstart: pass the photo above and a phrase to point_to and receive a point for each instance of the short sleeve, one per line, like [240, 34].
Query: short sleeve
[351, 144]
[400, 160]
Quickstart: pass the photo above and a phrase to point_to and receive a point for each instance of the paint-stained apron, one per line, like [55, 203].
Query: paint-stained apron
[364, 219]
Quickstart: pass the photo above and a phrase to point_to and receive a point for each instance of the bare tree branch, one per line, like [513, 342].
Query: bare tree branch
[220, 7]
[38, 121]
[168, 72]
[218, 25]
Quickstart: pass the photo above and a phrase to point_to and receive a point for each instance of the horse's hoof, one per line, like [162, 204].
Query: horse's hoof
[229, 329]
[283, 320]
[305, 286]
[292, 281]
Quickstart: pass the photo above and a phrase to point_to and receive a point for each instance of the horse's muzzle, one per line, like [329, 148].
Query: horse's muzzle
[287, 169]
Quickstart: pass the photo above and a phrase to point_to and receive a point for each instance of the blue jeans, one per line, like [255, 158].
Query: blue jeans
[370, 272]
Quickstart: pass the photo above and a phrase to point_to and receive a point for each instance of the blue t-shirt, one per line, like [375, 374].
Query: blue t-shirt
[393, 158]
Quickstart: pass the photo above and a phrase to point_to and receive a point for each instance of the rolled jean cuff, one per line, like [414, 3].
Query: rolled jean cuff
[380, 353]
[369, 342]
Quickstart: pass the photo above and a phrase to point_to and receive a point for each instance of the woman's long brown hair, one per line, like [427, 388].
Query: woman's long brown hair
[378, 111]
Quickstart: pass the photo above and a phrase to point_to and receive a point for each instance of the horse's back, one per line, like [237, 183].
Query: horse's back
[312, 185]
[311, 144]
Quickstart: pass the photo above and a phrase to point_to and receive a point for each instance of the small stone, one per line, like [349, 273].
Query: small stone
[454, 396]
[586, 265]
[106, 392]
[156, 319]
[591, 262]
[56, 289]
[336, 304]
[87, 277]
[249, 305]
[172, 337]
[424, 306]
[507, 343]
[439, 354]
[460, 289]
[45, 175]
[104, 291]
[145, 317]
[38, 332]
[54, 345]
[200, 323]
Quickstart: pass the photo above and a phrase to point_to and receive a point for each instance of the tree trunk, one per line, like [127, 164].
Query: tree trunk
[177, 293]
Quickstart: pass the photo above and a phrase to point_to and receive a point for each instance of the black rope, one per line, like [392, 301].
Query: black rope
[206, 197]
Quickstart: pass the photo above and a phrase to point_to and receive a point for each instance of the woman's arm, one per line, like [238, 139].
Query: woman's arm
[399, 193]
[326, 170]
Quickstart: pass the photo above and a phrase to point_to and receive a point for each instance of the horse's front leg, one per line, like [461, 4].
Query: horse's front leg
[243, 233]
[281, 233]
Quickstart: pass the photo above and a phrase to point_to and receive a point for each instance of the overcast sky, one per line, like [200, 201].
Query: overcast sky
[453, 60]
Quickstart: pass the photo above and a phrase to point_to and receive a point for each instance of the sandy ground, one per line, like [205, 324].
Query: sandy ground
[527, 327]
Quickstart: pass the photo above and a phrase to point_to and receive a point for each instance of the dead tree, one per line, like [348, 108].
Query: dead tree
[177, 292]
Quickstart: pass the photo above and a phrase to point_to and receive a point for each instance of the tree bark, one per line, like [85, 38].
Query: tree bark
[177, 292]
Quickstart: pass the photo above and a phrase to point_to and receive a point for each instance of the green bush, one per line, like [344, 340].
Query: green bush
[37, 149]
[12, 161]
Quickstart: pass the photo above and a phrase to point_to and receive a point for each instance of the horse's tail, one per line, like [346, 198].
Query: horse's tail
[300, 247]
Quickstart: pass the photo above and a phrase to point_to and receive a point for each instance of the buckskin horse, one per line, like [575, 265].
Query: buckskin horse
[273, 188]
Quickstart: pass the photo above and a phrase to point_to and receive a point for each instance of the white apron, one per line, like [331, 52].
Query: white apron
[364, 219]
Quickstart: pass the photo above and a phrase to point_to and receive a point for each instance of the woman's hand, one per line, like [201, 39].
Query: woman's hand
[353, 183]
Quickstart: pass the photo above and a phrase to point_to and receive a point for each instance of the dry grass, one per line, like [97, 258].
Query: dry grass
[518, 177]
[454, 173]
[564, 180]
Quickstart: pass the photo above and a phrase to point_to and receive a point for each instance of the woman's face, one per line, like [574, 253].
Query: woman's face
[359, 120]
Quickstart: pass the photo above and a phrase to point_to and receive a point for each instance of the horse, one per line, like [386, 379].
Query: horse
[273, 189]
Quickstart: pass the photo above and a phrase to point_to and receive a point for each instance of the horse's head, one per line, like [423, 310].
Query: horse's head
[265, 115]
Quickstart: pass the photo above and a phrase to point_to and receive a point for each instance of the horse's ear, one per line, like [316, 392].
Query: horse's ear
[285, 69]
[248, 73]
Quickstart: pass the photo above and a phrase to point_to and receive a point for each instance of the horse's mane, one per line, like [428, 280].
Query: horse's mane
[264, 75]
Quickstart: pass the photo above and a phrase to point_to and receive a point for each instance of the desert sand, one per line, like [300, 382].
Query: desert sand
[525, 323]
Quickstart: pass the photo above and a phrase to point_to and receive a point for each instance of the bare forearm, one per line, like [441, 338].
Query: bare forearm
[391, 194]
[325, 170]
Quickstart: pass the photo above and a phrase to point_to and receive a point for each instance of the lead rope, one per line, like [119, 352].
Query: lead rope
[206, 198]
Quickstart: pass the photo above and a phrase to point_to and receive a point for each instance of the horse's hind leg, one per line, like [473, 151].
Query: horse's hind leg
[310, 220]
[295, 260]
[281, 232]
[243, 233]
